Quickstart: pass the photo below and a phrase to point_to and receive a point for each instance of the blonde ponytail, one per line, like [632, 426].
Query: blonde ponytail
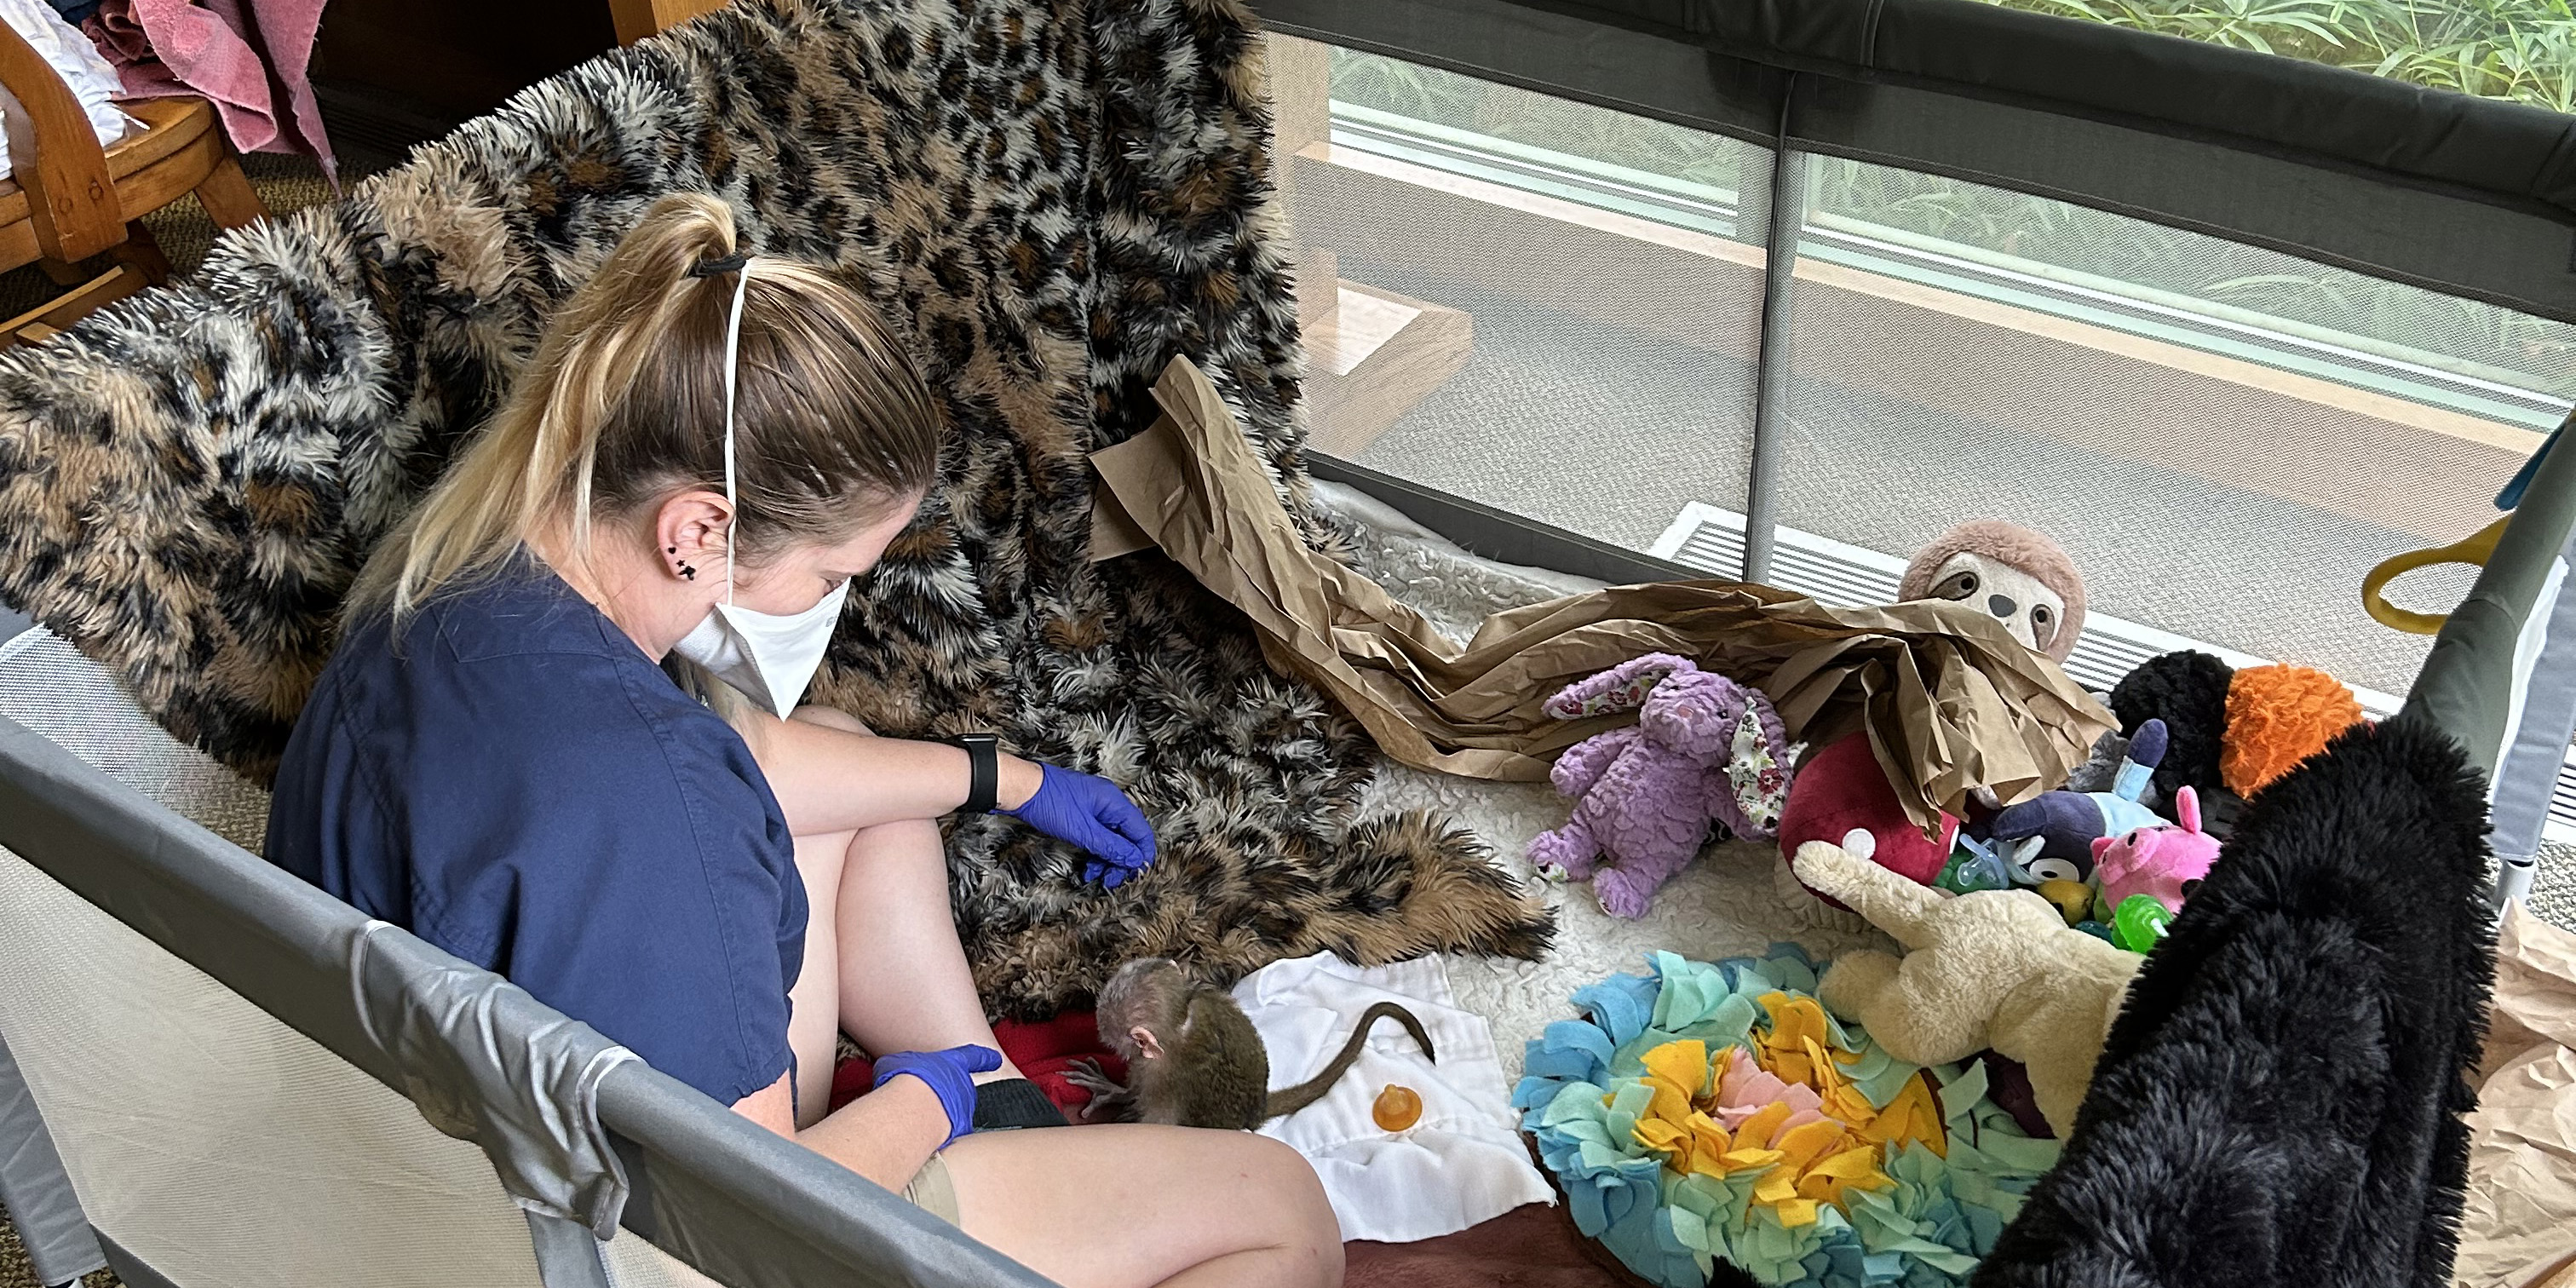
[624, 403]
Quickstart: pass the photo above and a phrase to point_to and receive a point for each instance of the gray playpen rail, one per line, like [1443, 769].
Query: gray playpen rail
[2471, 197]
[707, 1185]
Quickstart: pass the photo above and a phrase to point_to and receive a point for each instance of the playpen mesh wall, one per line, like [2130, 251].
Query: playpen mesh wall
[2225, 435]
[2230, 357]
[177, 1100]
[183, 1017]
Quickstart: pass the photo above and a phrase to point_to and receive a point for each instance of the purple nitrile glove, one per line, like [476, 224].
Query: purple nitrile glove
[1092, 813]
[950, 1074]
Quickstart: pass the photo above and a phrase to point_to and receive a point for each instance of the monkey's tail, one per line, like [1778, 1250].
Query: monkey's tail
[1292, 1099]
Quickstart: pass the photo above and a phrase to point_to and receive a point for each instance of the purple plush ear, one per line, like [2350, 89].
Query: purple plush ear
[1621, 688]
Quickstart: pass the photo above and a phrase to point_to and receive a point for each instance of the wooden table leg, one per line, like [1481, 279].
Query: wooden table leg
[228, 197]
[46, 320]
[637, 19]
[142, 251]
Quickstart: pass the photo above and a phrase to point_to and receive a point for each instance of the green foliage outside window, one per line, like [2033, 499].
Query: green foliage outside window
[2521, 49]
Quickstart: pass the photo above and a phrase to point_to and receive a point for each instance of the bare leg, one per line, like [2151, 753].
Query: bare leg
[905, 985]
[1194, 1209]
[814, 1005]
[882, 932]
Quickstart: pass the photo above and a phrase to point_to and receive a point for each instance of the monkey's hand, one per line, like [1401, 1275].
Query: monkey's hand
[1087, 1074]
[1111, 1102]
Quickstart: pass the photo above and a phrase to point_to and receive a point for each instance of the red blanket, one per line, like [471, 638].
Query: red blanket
[214, 48]
[1045, 1052]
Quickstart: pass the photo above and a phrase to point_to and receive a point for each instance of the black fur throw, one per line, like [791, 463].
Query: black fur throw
[2188, 691]
[1052, 198]
[2281, 1098]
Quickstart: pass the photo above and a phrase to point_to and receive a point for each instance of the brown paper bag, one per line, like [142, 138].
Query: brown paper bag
[1949, 700]
[2518, 1220]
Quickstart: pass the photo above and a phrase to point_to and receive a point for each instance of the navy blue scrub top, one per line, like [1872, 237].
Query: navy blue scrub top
[518, 784]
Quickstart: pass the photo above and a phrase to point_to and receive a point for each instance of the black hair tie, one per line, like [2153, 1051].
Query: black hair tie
[733, 263]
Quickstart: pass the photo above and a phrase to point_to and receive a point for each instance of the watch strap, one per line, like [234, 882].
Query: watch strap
[984, 771]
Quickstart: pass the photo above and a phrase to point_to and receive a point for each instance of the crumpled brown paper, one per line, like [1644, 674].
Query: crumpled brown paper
[1950, 701]
[2518, 1225]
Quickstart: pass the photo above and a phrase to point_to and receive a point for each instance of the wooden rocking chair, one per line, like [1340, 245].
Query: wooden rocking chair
[70, 199]
[636, 19]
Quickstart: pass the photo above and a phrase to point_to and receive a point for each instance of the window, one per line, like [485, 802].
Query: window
[1556, 309]
[2516, 49]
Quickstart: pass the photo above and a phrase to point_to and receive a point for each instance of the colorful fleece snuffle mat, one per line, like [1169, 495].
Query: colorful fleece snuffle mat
[1716, 1112]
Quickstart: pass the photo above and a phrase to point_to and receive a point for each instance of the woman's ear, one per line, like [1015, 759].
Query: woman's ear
[689, 532]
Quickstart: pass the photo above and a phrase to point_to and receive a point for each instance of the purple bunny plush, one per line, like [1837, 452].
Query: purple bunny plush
[1704, 749]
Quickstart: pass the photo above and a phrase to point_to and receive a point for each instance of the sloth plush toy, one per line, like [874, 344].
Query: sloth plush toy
[2021, 577]
[1840, 794]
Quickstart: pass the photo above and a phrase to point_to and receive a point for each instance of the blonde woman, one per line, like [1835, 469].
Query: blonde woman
[506, 757]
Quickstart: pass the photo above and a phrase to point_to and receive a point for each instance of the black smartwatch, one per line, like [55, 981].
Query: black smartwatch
[984, 779]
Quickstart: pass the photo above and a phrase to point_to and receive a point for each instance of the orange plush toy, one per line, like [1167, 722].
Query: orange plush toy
[2278, 716]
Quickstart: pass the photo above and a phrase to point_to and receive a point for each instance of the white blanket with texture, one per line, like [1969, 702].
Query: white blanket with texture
[1462, 1164]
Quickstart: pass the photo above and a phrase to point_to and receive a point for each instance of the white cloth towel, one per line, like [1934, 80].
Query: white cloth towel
[1462, 1164]
[92, 78]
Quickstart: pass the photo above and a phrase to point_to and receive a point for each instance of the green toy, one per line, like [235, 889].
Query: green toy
[2140, 922]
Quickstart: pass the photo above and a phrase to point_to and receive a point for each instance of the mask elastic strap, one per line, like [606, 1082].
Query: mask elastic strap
[733, 349]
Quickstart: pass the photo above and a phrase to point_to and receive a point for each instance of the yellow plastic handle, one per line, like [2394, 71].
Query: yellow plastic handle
[2472, 550]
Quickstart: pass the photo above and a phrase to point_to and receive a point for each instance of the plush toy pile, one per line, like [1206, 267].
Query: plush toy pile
[1715, 1112]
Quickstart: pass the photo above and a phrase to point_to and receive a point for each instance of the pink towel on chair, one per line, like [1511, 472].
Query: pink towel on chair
[214, 48]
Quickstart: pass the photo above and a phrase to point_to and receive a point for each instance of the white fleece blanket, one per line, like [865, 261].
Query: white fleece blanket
[1460, 1164]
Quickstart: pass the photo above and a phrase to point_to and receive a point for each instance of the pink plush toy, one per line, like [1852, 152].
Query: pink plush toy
[2166, 862]
[1704, 749]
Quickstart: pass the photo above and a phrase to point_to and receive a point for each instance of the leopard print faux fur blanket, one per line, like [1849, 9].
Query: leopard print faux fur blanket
[1053, 197]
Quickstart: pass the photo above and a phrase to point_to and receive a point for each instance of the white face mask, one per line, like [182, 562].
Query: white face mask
[769, 658]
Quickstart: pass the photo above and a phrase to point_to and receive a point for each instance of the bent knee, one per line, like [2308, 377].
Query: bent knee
[832, 718]
[1298, 1196]
[1276, 1162]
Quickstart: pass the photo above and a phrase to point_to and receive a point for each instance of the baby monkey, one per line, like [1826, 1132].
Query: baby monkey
[1194, 1059]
